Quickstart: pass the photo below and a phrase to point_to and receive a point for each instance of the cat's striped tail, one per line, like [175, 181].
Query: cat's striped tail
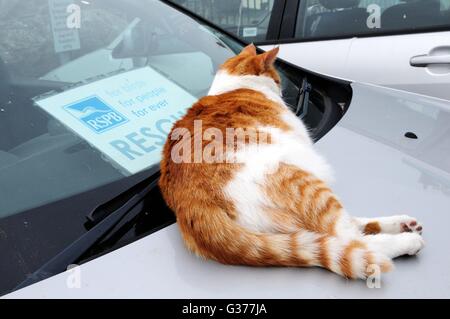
[213, 234]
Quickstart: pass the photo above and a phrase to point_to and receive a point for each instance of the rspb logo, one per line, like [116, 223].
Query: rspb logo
[96, 114]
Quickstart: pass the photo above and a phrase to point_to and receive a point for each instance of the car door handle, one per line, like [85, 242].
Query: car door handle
[425, 60]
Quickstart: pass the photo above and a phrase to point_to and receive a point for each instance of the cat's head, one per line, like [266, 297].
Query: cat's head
[248, 62]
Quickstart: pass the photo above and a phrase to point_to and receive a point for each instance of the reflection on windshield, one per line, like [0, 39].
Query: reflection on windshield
[42, 157]
[127, 117]
[247, 19]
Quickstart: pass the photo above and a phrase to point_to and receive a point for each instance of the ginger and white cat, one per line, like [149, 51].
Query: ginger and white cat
[272, 206]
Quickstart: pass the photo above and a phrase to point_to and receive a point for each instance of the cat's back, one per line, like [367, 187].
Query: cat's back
[241, 108]
[207, 123]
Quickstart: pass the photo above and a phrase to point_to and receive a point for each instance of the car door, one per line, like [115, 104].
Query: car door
[402, 44]
[417, 60]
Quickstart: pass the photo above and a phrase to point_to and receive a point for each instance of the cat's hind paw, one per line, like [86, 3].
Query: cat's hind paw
[413, 243]
[411, 225]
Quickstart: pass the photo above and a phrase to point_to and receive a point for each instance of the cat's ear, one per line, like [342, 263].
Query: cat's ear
[269, 57]
[249, 50]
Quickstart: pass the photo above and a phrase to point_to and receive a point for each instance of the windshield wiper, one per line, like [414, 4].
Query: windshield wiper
[102, 228]
[303, 101]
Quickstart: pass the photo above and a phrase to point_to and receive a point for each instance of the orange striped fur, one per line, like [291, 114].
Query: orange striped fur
[285, 215]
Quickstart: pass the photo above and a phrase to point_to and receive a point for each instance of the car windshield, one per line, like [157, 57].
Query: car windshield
[89, 90]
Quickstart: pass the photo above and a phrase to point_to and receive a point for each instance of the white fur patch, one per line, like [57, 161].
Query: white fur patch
[249, 199]
[293, 147]
[299, 129]
[346, 228]
[224, 82]
[308, 247]
[335, 248]
[395, 245]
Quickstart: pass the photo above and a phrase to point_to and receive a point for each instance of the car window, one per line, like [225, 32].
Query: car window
[79, 76]
[247, 19]
[76, 76]
[90, 89]
[342, 18]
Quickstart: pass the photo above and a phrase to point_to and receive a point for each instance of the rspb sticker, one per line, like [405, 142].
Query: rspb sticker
[96, 114]
[127, 117]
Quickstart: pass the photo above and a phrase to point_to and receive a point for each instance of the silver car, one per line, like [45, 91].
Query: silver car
[401, 44]
[88, 93]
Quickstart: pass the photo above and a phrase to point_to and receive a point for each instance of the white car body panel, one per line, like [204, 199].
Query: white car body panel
[315, 56]
[381, 60]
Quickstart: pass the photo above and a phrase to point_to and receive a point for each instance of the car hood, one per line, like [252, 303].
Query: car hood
[379, 172]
